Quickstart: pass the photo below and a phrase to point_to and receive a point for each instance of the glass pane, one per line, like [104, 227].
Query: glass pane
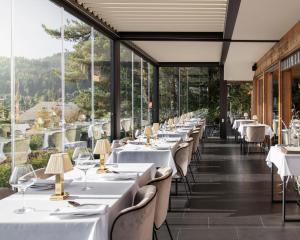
[102, 80]
[168, 91]
[126, 92]
[38, 95]
[137, 83]
[5, 92]
[78, 95]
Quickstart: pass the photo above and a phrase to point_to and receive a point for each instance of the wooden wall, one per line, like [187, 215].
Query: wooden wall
[262, 98]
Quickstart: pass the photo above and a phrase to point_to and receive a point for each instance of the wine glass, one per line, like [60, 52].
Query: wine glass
[84, 162]
[22, 177]
[137, 134]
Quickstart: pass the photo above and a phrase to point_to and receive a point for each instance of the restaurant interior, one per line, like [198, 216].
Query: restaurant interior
[140, 120]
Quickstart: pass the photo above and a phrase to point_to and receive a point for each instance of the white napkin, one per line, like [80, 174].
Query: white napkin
[118, 176]
[83, 210]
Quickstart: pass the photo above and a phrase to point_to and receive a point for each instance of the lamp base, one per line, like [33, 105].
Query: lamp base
[58, 197]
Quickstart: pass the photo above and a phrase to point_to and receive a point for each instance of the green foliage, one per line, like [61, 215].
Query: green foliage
[39, 159]
[240, 98]
[36, 142]
[5, 171]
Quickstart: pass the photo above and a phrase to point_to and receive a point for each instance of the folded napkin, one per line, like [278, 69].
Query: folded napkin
[174, 139]
[162, 146]
[136, 142]
[119, 176]
[82, 210]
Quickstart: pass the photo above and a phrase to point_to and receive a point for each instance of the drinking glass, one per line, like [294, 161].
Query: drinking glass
[84, 162]
[138, 134]
[22, 177]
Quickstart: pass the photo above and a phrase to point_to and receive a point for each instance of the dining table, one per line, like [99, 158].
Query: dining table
[243, 129]
[161, 153]
[288, 166]
[110, 193]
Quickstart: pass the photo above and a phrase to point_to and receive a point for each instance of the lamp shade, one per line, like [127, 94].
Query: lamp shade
[59, 163]
[245, 114]
[254, 117]
[102, 147]
[148, 131]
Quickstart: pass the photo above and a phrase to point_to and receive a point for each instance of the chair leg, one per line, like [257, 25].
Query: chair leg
[186, 190]
[154, 234]
[169, 230]
[188, 184]
[192, 174]
[176, 186]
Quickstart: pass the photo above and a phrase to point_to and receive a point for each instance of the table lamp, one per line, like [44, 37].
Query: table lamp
[101, 149]
[148, 133]
[246, 115]
[58, 164]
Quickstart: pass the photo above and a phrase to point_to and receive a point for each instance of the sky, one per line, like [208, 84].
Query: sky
[31, 41]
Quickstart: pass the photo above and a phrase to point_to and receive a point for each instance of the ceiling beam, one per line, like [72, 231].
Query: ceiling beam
[231, 16]
[188, 64]
[171, 36]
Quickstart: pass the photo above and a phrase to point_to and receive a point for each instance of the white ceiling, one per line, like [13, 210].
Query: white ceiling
[161, 15]
[182, 51]
[265, 19]
[256, 20]
[240, 59]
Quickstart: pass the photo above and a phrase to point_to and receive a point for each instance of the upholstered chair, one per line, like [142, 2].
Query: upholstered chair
[162, 182]
[190, 141]
[255, 134]
[136, 222]
[196, 153]
[182, 162]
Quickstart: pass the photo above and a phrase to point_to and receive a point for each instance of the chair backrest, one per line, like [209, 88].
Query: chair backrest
[162, 182]
[190, 141]
[182, 158]
[255, 134]
[136, 222]
[195, 135]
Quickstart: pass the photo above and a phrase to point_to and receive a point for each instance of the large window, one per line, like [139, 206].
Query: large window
[198, 88]
[59, 71]
[136, 92]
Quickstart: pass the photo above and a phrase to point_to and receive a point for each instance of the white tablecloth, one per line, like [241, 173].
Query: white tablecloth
[238, 122]
[39, 225]
[268, 130]
[287, 164]
[182, 133]
[132, 153]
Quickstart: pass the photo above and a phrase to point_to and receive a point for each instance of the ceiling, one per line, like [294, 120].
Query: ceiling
[161, 15]
[256, 20]
[165, 51]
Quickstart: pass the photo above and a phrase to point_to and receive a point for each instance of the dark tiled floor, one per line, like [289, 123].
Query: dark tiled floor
[231, 200]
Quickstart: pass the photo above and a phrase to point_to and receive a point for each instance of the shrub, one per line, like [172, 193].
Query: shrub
[36, 142]
[5, 171]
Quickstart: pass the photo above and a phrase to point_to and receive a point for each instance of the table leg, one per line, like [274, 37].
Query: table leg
[283, 200]
[272, 183]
